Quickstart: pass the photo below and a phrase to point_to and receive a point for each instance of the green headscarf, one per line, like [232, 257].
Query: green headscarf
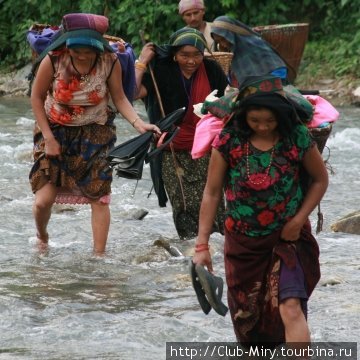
[182, 37]
[188, 36]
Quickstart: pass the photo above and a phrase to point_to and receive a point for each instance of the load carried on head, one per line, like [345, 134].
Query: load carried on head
[43, 38]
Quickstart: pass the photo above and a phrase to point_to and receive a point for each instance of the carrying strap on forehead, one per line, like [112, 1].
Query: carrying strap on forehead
[234, 28]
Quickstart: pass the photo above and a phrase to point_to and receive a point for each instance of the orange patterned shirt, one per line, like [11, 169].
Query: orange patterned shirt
[75, 100]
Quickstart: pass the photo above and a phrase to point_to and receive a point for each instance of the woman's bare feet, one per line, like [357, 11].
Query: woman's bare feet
[42, 242]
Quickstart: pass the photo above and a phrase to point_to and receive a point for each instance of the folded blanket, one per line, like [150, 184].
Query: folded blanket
[77, 21]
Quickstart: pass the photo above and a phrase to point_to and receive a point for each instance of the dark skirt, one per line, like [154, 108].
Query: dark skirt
[193, 176]
[81, 174]
[260, 273]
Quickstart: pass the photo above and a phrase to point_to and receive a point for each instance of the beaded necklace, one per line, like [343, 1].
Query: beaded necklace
[254, 178]
[84, 78]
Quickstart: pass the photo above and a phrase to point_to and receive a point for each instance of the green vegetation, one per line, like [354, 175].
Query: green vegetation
[333, 49]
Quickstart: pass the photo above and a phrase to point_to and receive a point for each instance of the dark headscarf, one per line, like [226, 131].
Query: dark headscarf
[253, 56]
[265, 84]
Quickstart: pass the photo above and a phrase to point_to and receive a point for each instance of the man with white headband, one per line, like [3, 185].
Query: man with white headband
[192, 12]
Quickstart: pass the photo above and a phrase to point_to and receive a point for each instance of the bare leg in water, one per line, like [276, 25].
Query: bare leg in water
[297, 333]
[44, 200]
[100, 222]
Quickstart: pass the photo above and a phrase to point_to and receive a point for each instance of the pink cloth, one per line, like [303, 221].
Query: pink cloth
[185, 5]
[68, 198]
[77, 21]
[206, 130]
[324, 112]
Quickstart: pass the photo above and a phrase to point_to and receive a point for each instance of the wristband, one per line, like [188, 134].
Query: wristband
[202, 247]
[133, 122]
[139, 65]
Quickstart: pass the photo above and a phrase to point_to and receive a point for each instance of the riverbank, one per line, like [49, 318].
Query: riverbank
[344, 91]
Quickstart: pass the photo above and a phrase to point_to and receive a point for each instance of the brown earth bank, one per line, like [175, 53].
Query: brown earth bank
[344, 91]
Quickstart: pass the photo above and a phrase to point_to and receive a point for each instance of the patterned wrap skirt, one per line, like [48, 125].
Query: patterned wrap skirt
[81, 174]
[193, 175]
[263, 271]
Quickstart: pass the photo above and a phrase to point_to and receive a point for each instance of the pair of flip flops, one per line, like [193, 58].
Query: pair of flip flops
[208, 289]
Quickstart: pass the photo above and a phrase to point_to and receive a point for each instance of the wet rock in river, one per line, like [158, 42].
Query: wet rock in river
[134, 214]
[172, 250]
[348, 224]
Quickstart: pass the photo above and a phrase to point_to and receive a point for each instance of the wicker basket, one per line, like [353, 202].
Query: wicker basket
[320, 135]
[113, 38]
[223, 58]
[39, 27]
[289, 41]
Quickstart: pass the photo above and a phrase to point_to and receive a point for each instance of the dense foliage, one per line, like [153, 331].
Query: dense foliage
[334, 24]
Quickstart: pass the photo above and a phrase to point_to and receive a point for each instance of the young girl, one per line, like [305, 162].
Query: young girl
[271, 258]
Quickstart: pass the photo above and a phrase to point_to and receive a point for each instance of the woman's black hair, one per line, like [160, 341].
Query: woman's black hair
[283, 110]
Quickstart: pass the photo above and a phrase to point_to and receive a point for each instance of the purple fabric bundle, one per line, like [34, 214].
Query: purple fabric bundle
[39, 41]
[127, 61]
[77, 21]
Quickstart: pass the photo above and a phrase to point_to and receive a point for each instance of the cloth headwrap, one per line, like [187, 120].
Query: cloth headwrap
[185, 5]
[260, 85]
[268, 91]
[188, 36]
[253, 56]
[272, 84]
[226, 104]
[182, 37]
[253, 85]
[229, 29]
[241, 29]
[84, 42]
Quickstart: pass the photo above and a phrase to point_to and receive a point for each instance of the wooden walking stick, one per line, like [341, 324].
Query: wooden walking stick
[178, 169]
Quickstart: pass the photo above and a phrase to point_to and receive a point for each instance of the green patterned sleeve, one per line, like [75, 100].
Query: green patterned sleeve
[303, 140]
[223, 142]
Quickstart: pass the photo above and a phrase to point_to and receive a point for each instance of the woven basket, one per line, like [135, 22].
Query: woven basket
[289, 41]
[39, 27]
[320, 135]
[113, 38]
[223, 58]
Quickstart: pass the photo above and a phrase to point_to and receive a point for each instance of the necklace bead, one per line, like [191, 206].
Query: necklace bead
[84, 78]
[265, 175]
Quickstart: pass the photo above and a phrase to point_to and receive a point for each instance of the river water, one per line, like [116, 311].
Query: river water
[67, 304]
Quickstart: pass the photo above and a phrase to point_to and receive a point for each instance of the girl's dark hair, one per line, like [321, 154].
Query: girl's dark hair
[284, 112]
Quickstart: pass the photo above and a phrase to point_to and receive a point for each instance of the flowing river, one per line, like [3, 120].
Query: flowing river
[67, 304]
